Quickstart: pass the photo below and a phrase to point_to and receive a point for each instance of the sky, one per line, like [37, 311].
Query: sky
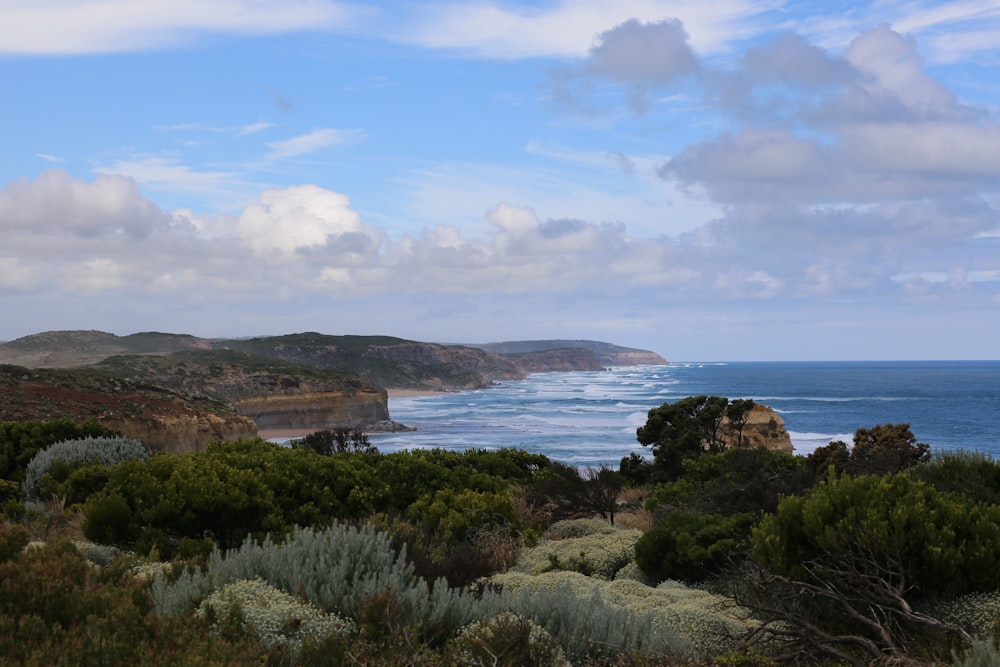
[710, 179]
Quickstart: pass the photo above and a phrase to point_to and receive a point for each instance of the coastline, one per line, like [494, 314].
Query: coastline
[410, 393]
[289, 433]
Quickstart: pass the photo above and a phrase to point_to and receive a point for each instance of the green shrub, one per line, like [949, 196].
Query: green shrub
[20, 441]
[693, 547]
[934, 543]
[57, 610]
[975, 475]
[13, 539]
[106, 451]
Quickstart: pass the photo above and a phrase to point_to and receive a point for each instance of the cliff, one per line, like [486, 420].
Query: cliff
[273, 393]
[764, 428]
[160, 418]
[563, 359]
[606, 354]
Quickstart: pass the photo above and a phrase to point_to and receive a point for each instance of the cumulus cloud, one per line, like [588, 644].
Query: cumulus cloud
[639, 56]
[304, 217]
[56, 203]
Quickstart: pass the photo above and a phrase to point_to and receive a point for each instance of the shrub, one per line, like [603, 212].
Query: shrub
[508, 640]
[274, 618]
[693, 547]
[337, 569]
[20, 441]
[599, 554]
[56, 610]
[106, 451]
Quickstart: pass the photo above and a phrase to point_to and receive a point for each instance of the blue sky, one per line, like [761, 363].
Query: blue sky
[717, 180]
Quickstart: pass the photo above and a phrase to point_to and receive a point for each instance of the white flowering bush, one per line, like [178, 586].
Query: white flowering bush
[103, 450]
[507, 639]
[692, 617]
[274, 618]
[568, 528]
[597, 554]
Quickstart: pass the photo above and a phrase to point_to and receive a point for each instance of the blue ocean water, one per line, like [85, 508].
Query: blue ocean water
[590, 418]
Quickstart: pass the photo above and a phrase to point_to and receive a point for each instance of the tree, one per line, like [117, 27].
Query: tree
[885, 449]
[602, 486]
[337, 441]
[684, 430]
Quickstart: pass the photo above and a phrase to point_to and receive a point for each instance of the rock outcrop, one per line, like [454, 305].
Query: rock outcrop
[316, 410]
[158, 417]
[565, 359]
[764, 428]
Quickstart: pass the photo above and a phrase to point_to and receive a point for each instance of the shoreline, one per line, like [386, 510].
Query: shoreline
[411, 393]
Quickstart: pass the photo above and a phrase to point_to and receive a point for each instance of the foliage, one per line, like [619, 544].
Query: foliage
[13, 539]
[55, 609]
[974, 475]
[597, 553]
[670, 618]
[845, 565]
[689, 428]
[62, 458]
[274, 618]
[509, 640]
[926, 541]
[335, 569]
[454, 514]
[737, 480]
[337, 441]
[693, 547]
[20, 441]
[884, 449]
[173, 502]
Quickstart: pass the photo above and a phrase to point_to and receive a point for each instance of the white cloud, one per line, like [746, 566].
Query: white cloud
[311, 142]
[568, 28]
[49, 27]
[287, 219]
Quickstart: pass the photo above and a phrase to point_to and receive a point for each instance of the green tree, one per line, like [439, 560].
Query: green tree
[884, 449]
[682, 430]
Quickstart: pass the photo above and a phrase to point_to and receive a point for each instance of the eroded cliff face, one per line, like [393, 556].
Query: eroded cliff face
[177, 434]
[556, 360]
[316, 410]
[764, 428]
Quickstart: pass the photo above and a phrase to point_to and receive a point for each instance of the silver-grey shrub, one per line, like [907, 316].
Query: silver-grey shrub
[107, 451]
[334, 569]
[339, 566]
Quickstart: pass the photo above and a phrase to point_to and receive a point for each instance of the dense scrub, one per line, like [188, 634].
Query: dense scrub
[251, 553]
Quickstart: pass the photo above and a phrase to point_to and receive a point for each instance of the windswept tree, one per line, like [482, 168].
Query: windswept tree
[691, 427]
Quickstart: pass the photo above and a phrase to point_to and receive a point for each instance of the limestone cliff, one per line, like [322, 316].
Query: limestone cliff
[316, 410]
[764, 428]
[160, 418]
[273, 393]
[565, 359]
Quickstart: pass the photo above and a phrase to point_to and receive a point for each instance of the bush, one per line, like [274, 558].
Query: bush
[599, 554]
[935, 543]
[508, 640]
[274, 618]
[693, 547]
[20, 441]
[56, 610]
[106, 451]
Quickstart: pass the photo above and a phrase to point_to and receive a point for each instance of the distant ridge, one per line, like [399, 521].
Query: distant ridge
[608, 354]
[385, 360]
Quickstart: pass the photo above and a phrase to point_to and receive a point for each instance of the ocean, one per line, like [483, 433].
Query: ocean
[590, 418]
